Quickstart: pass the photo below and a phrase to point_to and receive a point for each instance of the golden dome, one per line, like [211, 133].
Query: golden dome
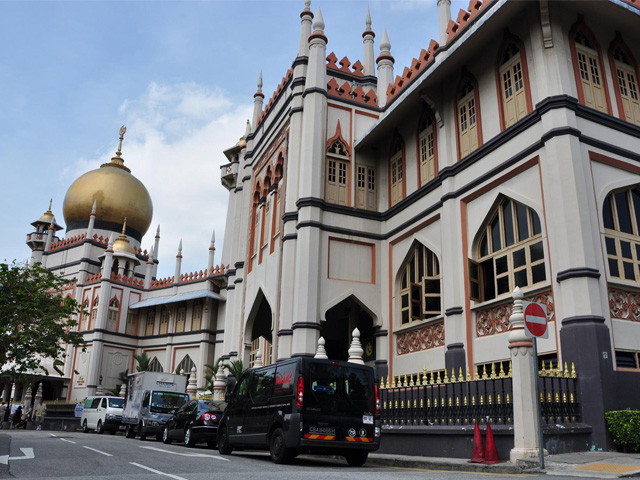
[48, 215]
[121, 244]
[118, 194]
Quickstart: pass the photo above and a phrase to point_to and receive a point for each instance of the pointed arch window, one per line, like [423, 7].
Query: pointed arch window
[621, 218]
[185, 365]
[181, 317]
[85, 314]
[396, 173]
[165, 315]
[150, 323]
[510, 253]
[337, 174]
[196, 316]
[513, 82]
[254, 236]
[112, 315]
[468, 117]
[625, 79]
[427, 149]
[420, 287]
[279, 195]
[155, 365]
[587, 64]
[94, 312]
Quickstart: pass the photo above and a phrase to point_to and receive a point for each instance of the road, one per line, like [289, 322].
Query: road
[61, 455]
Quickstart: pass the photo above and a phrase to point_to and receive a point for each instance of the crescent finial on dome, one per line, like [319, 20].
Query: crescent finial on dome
[117, 161]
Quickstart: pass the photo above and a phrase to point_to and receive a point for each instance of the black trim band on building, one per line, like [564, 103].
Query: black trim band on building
[298, 82]
[455, 346]
[586, 319]
[578, 272]
[239, 265]
[73, 264]
[453, 311]
[307, 325]
[301, 60]
[381, 333]
[284, 332]
[319, 90]
[231, 287]
[290, 236]
[237, 280]
[104, 225]
[289, 217]
[297, 110]
[169, 344]
[245, 178]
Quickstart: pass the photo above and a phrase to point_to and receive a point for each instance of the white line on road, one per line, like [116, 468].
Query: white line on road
[98, 451]
[158, 471]
[199, 455]
[53, 434]
[65, 440]
[26, 452]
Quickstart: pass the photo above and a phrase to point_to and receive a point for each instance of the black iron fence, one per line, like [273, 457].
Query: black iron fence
[437, 398]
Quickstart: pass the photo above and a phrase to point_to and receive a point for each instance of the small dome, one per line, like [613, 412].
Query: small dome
[122, 245]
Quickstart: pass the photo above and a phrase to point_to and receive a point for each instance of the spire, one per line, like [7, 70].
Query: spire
[50, 203]
[117, 161]
[176, 275]
[317, 70]
[385, 69]
[368, 36]
[305, 29]
[94, 208]
[318, 24]
[212, 250]
[124, 227]
[258, 98]
[158, 232]
[92, 219]
[247, 129]
[156, 249]
[179, 249]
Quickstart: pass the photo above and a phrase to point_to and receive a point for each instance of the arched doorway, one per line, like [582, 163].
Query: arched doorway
[259, 332]
[341, 319]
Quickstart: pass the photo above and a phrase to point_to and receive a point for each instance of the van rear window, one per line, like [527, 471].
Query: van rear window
[116, 402]
[285, 378]
[339, 388]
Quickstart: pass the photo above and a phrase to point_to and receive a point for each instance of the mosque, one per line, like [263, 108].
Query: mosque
[409, 204]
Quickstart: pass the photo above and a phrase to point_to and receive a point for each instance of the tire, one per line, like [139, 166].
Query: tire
[165, 436]
[143, 436]
[280, 454]
[85, 429]
[130, 432]
[224, 447]
[99, 427]
[357, 459]
[189, 441]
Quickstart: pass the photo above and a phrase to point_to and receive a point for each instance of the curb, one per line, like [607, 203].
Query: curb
[458, 466]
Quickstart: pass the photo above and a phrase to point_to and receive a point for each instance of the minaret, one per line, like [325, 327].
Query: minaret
[92, 220]
[176, 274]
[258, 98]
[37, 240]
[305, 19]
[368, 36]
[444, 17]
[212, 250]
[156, 247]
[385, 69]
[148, 273]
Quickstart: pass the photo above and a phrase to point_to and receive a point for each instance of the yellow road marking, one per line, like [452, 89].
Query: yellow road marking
[492, 474]
[609, 467]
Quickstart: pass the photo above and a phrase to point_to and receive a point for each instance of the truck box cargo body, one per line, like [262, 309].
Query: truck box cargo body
[151, 399]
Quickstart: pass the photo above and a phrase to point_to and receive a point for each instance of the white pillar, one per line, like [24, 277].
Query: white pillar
[444, 16]
[367, 39]
[385, 69]
[305, 29]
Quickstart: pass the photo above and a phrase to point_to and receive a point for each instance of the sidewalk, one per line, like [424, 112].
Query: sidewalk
[583, 464]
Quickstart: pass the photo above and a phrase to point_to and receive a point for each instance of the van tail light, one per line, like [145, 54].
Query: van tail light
[300, 394]
[377, 399]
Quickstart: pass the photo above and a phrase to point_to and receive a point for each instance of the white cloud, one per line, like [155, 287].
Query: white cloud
[174, 142]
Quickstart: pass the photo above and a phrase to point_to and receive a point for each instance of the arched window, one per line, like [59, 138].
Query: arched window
[621, 218]
[420, 287]
[587, 65]
[196, 316]
[132, 319]
[151, 322]
[112, 315]
[266, 224]
[468, 117]
[366, 195]
[509, 254]
[114, 266]
[185, 365]
[155, 366]
[181, 317]
[337, 186]
[625, 80]
[94, 312]
[165, 315]
[254, 236]
[85, 314]
[396, 173]
[427, 149]
[513, 82]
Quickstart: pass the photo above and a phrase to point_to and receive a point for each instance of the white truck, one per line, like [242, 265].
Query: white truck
[151, 398]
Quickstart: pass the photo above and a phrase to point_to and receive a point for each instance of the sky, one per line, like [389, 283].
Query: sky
[180, 75]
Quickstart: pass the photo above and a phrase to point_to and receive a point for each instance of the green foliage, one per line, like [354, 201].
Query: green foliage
[235, 368]
[37, 319]
[624, 426]
[143, 362]
[210, 372]
[122, 377]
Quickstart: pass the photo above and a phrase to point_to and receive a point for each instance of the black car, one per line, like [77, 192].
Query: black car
[196, 421]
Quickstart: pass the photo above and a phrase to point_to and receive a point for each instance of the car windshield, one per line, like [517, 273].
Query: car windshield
[116, 402]
[164, 402]
[212, 406]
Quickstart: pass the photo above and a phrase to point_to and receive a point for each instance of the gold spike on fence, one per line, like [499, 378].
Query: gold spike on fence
[477, 375]
[510, 374]
[543, 372]
[493, 371]
[468, 375]
[489, 399]
[411, 384]
[484, 372]
[498, 399]
[473, 400]
[393, 382]
[415, 403]
[567, 374]
[424, 375]
[431, 379]
[446, 378]
[573, 371]
[405, 384]
[453, 375]
[438, 378]
[501, 374]
[460, 377]
[381, 382]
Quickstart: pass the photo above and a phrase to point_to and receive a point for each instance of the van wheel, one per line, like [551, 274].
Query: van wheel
[279, 452]
[356, 459]
[165, 436]
[143, 435]
[224, 447]
[188, 438]
[130, 432]
[99, 428]
[85, 429]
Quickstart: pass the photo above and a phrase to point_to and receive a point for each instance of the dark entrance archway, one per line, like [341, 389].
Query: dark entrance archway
[340, 322]
[259, 331]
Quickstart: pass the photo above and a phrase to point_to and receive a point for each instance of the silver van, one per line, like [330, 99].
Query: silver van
[102, 414]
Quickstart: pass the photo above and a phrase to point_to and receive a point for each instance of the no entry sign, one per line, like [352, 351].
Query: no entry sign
[535, 319]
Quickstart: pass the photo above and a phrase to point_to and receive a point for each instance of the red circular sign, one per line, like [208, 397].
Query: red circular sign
[536, 319]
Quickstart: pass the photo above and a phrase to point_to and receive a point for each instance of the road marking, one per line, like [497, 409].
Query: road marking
[98, 451]
[199, 455]
[158, 471]
[27, 455]
[65, 440]
[53, 434]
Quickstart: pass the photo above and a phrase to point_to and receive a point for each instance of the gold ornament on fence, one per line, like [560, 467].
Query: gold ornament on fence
[501, 374]
[446, 379]
[573, 371]
[493, 370]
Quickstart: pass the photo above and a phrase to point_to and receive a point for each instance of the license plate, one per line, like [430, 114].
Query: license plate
[322, 430]
[367, 419]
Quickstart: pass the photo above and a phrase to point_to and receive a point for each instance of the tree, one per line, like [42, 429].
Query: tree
[36, 320]
[143, 362]
[235, 368]
[210, 372]
[122, 377]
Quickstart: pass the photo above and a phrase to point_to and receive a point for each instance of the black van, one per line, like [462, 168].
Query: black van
[304, 405]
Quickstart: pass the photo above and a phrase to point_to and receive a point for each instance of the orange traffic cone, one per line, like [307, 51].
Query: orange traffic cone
[492, 451]
[478, 449]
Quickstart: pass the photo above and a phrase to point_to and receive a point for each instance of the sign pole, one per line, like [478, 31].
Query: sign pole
[539, 406]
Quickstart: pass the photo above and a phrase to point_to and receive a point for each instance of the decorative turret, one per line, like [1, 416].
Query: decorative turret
[317, 71]
[176, 274]
[156, 247]
[92, 219]
[385, 63]
[368, 36]
[258, 98]
[444, 17]
[212, 250]
[38, 239]
[124, 256]
[306, 17]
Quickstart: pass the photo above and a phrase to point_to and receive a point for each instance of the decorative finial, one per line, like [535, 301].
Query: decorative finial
[180, 247]
[247, 129]
[50, 203]
[321, 352]
[260, 82]
[368, 21]
[94, 208]
[123, 130]
[213, 237]
[318, 24]
[124, 226]
[385, 44]
[307, 4]
[158, 231]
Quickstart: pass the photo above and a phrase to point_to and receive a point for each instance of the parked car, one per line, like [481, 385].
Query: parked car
[196, 421]
[102, 414]
[304, 405]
